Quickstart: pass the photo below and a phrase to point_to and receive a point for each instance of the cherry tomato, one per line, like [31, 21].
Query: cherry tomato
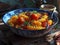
[35, 16]
[44, 24]
[24, 27]
[21, 20]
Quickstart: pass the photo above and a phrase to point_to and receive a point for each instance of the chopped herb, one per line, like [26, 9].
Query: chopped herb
[25, 23]
[34, 11]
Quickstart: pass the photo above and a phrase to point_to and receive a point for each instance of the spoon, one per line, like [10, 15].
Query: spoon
[53, 13]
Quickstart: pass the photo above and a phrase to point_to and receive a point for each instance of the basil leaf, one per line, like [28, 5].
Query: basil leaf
[25, 23]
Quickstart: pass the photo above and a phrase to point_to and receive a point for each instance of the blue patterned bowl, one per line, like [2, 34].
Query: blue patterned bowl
[29, 33]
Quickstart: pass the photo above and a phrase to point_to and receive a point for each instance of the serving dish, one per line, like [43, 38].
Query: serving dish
[48, 7]
[29, 33]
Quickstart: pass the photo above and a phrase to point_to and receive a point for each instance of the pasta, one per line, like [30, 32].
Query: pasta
[30, 20]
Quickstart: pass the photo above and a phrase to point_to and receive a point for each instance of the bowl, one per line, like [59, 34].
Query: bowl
[48, 7]
[29, 33]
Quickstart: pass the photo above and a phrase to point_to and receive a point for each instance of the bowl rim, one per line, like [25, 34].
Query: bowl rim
[30, 30]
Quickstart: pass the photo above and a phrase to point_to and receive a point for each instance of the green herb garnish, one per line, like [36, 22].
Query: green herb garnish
[26, 23]
[34, 11]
